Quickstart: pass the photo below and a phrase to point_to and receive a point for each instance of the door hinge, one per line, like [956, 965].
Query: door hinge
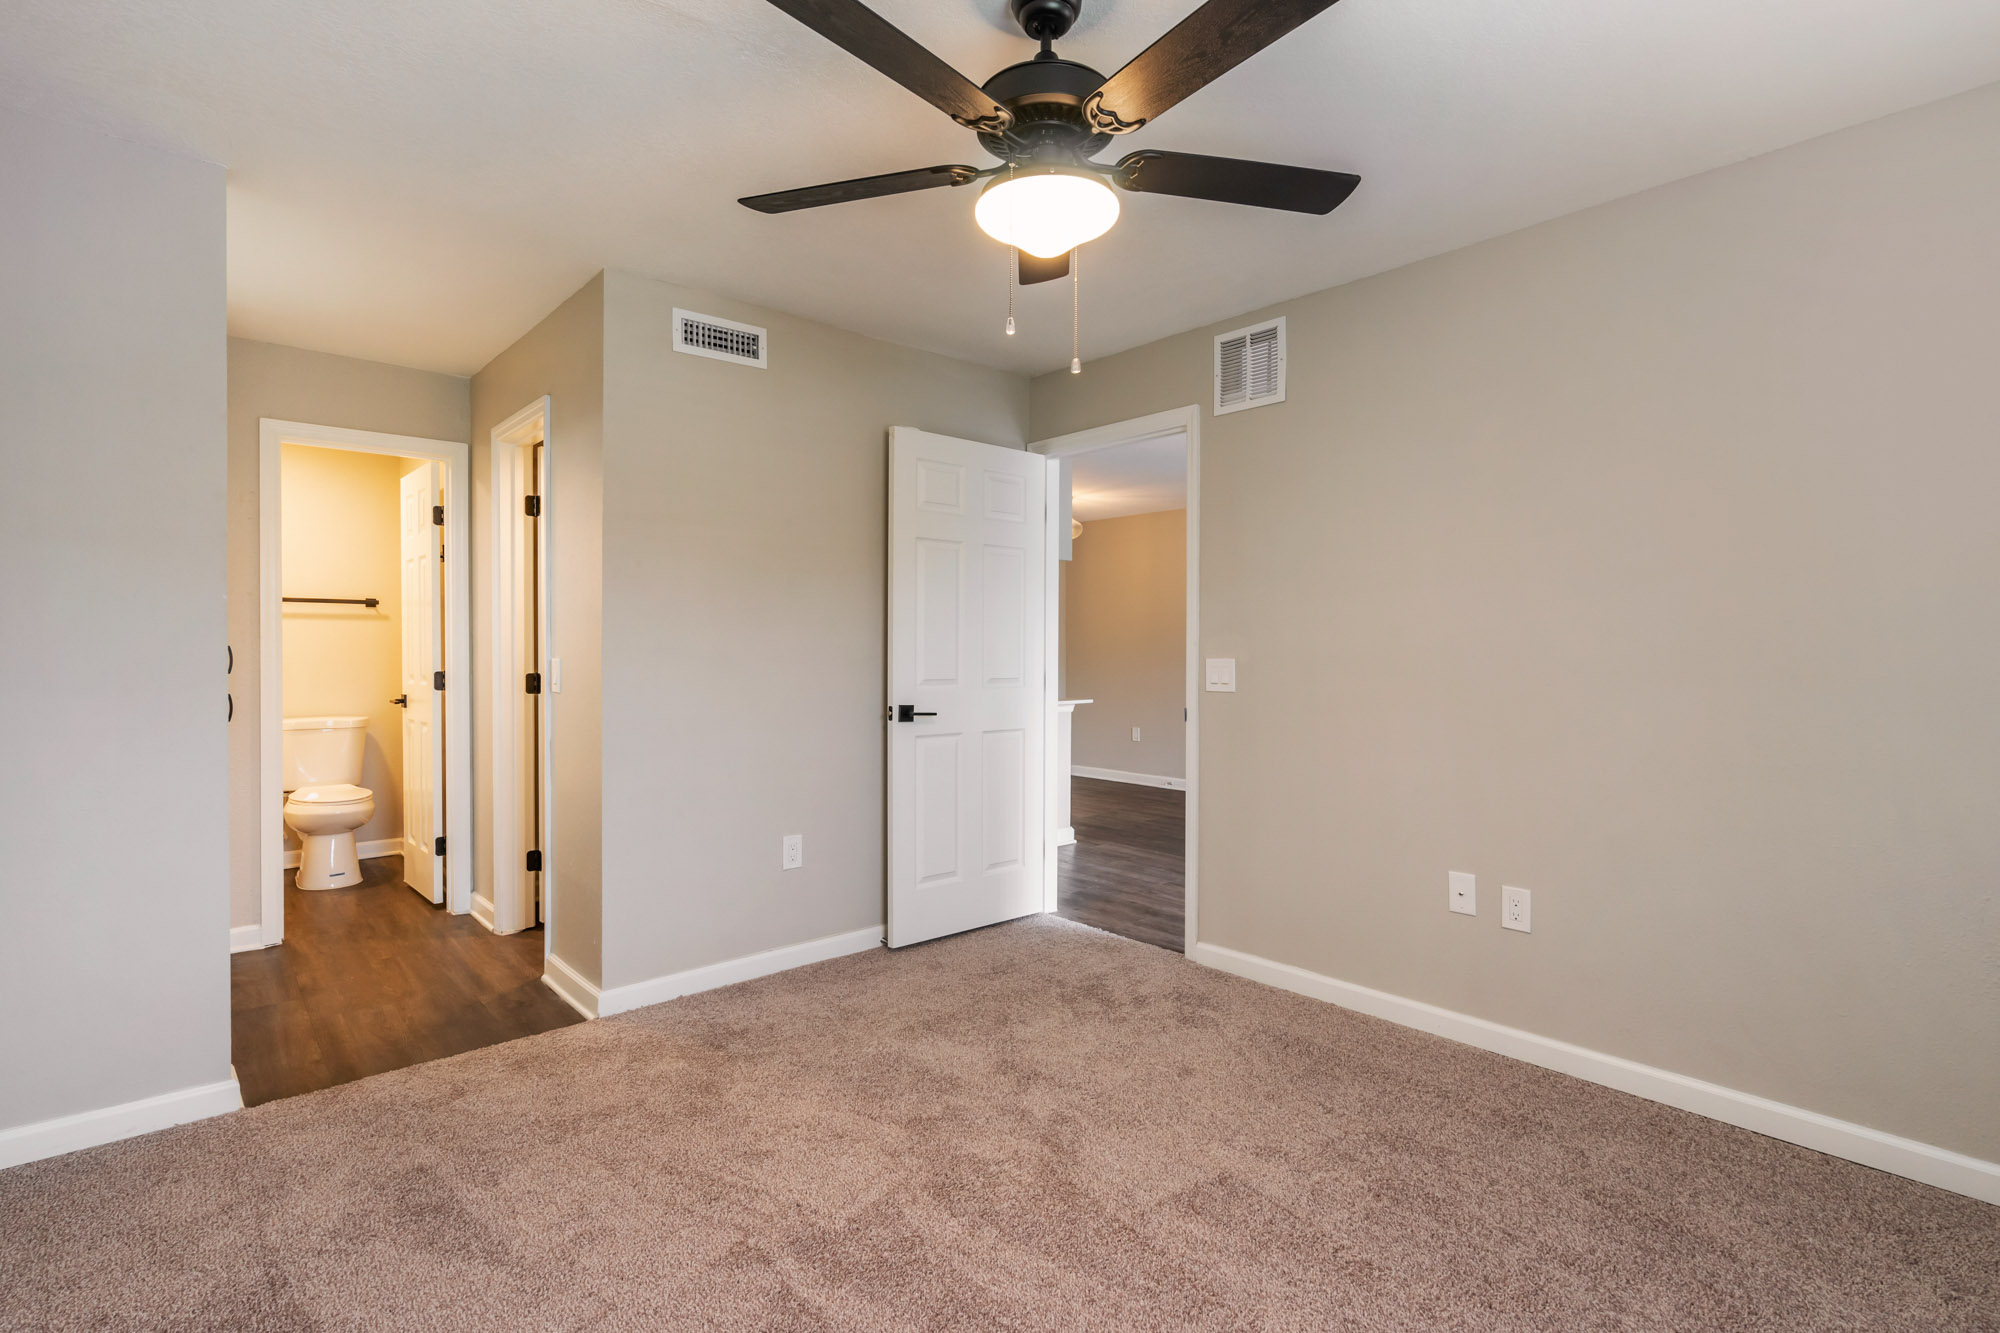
[437, 680]
[437, 847]
[437, 515]
[533, 505]
[534, 860]
[534, 682]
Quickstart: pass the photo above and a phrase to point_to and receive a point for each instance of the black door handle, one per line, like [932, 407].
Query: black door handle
[401, 701]
[909, 713]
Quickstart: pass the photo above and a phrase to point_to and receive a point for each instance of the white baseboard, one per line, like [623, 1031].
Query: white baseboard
[87, 1129]
[242, 939]
[482, 910]
[567, 982]
[1924, 1162]
[1136, 779]
[366, 851]
[1066, 836]
[619, 999]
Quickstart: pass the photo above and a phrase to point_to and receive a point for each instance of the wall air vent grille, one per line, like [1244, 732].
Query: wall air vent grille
[722, 339]
[1250, 367]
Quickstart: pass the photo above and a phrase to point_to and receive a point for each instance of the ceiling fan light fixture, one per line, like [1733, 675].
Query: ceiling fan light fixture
[1047, 211]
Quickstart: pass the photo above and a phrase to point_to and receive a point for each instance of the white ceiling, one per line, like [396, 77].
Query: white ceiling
[420, 182]
[1142, 478]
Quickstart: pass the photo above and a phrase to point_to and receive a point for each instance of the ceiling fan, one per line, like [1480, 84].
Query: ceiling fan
[1045, 117]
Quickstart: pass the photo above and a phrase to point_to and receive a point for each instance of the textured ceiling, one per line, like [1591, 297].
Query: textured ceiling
[1143, 478]
[420, 182]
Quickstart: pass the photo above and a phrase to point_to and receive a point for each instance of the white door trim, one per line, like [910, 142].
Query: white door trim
[455, 455]
[1172, 422]
[512, 906]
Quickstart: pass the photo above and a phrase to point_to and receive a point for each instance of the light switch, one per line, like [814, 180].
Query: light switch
[1222, 673]
[555, 675]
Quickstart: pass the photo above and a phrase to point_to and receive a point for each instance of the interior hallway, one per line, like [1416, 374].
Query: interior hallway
[1126, 871]
[374, 978]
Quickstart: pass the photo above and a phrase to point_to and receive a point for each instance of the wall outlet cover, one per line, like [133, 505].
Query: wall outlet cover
[1514, 908]
[795, 850]
[1462, 893]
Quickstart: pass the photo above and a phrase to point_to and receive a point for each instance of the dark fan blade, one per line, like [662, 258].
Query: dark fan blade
[1232, 180]
[865, 187]
[1035, 269]
[860, 31]
[1200, 49]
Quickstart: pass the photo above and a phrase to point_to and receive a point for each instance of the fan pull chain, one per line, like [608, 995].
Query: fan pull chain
[1013, 277]
[1075, 311]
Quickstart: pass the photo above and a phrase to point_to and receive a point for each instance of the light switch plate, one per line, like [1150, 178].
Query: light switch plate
[1514, 908]
[1464, 893]
[1222, 674]
[555, 675]
[1135, 733]
[795, 850]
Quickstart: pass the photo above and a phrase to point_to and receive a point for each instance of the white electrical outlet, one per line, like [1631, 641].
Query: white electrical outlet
[1514, 908]
[795, 850]
[1135, 733]
[1464, 893]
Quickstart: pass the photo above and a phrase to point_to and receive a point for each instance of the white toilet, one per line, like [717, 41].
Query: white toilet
[322, 803]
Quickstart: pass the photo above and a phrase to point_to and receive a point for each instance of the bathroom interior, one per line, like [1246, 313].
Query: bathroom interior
[342, 626]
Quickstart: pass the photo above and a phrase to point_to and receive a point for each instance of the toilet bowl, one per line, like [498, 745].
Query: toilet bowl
[322, 803]
[325, 817]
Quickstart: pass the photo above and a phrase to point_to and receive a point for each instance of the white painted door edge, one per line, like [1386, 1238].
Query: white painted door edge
[1135, 779]
[620, 999]
[1917, 1161]
[456, 455]
[87, 1129]
[510, 907]
[1180, 420]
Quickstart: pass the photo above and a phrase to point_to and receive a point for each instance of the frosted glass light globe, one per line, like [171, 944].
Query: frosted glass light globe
[1047, 213]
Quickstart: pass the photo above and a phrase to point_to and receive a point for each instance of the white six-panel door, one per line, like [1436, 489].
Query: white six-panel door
[967, 536]
[423, 655]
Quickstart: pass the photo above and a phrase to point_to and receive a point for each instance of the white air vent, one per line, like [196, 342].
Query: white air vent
[1250, 367]
[723, 339]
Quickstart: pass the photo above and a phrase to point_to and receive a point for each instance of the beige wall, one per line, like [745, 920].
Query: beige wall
[562, 357]
[1645, 559]
[342, 537]
[744, 538]
[290, 384]
[1124, 626]
[113, 808]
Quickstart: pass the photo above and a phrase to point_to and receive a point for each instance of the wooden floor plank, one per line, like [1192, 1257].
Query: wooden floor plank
[1127, 871]
[372, 978]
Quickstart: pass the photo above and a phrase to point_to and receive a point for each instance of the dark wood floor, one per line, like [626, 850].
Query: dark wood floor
[373, 978]
[1126, 872]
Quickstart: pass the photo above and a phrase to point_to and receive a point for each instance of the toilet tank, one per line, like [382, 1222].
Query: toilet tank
[319, 750]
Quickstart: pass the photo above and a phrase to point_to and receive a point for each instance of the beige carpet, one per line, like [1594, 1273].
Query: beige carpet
[1031, 1127]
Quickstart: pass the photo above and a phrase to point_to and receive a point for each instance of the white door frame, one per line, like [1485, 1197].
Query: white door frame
[512, 905]
[455, 455]
[1176, 421]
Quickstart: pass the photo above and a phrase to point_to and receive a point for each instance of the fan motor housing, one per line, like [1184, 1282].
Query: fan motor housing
[1045, 96]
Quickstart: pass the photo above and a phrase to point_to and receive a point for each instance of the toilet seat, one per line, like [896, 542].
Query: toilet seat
[330, 795]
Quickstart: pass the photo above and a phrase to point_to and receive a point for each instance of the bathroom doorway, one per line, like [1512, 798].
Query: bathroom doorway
[423, 723]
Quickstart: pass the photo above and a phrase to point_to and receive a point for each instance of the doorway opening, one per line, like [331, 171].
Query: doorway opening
[371, 959]
[1124, 635]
